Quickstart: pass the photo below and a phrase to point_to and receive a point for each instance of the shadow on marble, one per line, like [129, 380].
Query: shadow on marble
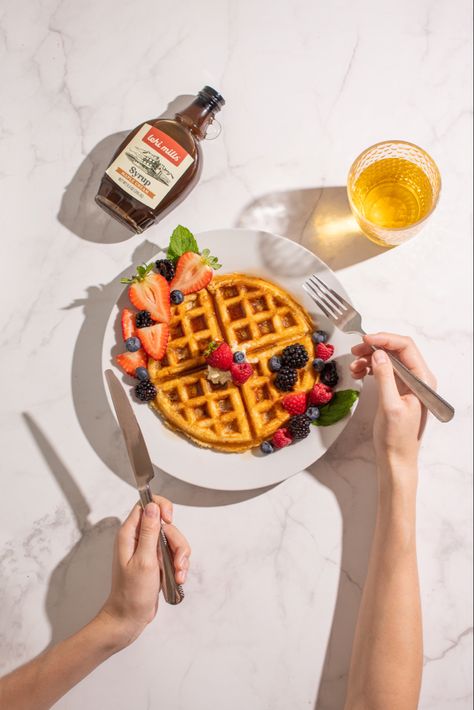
[318, 218]
[92, 407]
[78, 211]
[352, 480]
[80, 583]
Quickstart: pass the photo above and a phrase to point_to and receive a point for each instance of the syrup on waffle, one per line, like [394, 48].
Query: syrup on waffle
[249, 313]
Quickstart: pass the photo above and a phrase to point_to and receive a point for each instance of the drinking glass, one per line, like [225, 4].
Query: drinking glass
[393, 187]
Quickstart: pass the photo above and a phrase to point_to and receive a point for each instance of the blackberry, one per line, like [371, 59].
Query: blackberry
[329, 374]
[299, 427]
[165, 267]
[295, 356]
[145, 390]
[143, 319]
[285, 379]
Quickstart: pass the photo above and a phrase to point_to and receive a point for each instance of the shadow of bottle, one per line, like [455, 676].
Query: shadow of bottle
[79, 584]
[318, 218]
[78, 211]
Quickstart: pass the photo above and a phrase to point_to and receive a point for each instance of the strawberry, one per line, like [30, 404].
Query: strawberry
[130, 361]
[128, 324]
[194, 271]
[218, 355]
[320, 394]
[241, 371]
[324, 351]
[281, 438]
[295, 403]
[155, 339]
[149, 291]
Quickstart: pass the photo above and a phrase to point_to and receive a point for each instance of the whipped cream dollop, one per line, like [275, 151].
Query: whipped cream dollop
[218, 377]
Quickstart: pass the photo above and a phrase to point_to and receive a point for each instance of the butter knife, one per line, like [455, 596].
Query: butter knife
[142, 468]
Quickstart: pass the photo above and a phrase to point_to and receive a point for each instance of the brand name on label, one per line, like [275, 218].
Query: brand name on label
[164, 145]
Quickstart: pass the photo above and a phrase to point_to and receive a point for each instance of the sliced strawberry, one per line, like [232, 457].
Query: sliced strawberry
[155, 339]
[193, 272]
[130, 361]
[149, 291]
[128, 324]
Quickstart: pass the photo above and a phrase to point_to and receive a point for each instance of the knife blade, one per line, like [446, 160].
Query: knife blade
[142, 468]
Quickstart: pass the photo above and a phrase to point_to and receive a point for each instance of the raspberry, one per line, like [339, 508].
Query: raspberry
[295, 403]
[241, 371]
[281, 438]
[219, 355]
[320, 394]
[324, 351]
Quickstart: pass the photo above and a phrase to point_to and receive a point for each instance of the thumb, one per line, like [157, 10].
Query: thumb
[150, 526]
[385, 378]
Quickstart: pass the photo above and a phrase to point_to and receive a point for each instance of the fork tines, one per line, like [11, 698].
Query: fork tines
[327, 300]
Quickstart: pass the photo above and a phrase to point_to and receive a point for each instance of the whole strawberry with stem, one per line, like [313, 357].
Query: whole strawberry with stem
[218, 355]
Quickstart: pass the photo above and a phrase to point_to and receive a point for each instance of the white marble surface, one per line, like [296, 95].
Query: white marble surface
[276, 577]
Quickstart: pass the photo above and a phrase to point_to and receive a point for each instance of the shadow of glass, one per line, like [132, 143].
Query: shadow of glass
[80, 583]
[318, 218]
[92, 406]
[78, 211]
[351, 478]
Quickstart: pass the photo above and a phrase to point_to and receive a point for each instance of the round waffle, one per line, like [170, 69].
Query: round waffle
[250, 314]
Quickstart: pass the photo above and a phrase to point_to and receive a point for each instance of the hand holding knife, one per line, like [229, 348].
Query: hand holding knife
[143, 470]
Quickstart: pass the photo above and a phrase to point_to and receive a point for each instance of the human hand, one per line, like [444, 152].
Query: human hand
[400, 418]
[133, 599]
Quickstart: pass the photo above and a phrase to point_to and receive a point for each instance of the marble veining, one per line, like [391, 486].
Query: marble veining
[277, 574]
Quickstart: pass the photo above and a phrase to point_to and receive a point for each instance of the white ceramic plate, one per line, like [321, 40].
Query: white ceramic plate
[288, 264]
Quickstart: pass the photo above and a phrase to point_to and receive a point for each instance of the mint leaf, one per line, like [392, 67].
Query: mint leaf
[182, 240]
[338, 408]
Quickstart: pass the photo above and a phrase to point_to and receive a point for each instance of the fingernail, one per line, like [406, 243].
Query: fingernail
[181, 577]
[151, 510]
[169, 514]
[380, 357]
[182, 561]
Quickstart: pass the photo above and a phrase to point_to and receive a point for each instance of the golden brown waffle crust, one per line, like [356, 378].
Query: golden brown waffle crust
[251, 314]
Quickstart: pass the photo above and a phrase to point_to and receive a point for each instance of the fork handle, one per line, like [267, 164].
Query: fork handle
[431, 399]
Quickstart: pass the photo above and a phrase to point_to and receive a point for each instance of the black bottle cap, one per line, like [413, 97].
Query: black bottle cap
[211, 98]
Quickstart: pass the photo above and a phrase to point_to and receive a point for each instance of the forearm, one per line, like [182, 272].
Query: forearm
[41, 682]
[387, 653]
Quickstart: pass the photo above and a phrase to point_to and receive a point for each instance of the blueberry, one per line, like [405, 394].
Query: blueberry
[239, 356]
[320, 336]
[141, 373]
[313, 413]
[266, 447]
[318, 364]
[274, 363]
[176, 297]
[133, 344]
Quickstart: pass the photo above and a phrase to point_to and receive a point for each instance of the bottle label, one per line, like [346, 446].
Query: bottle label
[150, 165]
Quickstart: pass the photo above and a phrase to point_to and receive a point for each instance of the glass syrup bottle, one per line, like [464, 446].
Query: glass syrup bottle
[158, 164]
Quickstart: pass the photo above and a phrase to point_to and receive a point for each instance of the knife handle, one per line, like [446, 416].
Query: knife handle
[172, 592]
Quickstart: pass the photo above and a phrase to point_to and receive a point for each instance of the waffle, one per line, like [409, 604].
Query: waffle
[250, 314]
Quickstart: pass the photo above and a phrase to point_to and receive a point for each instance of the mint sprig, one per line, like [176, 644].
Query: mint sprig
[142, 272]
[338, 408]
[182, 240]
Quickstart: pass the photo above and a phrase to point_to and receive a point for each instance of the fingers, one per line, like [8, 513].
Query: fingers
[384, 375]
[360, 368]
[150, 525]
[403, 347]
[181, 552]
[127, 536]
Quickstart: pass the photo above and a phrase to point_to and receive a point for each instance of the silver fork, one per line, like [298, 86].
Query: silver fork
[346, 318]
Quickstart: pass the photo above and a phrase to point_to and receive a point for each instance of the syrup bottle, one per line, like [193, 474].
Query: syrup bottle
[158, 164]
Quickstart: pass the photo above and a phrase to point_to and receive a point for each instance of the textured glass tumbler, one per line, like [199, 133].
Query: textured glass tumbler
[393, 187]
